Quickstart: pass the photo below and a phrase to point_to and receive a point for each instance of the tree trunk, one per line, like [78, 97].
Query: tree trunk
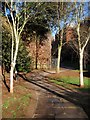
[59, 58]
[16, 51]
[0, 72]
[36, 54]
[13, 66]
[59, 51]
[11, 78]
[81, 69]
[12, 69]
[81, 51]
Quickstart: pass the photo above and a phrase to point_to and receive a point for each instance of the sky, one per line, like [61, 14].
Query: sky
[86, 13]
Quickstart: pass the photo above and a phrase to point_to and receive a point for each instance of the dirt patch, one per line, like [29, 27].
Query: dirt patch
[23, 102]
[65, 72]
[18, 104]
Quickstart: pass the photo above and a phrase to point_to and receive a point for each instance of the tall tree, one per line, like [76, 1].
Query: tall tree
[62, 14]
[82, 43]
[17, 26]
[82, 31]
[18, 14]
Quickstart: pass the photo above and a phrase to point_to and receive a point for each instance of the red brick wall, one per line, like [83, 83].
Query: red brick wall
[41, 54]
[70, 34]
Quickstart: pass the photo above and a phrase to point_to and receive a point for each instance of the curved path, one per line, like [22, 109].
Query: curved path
[55, 101]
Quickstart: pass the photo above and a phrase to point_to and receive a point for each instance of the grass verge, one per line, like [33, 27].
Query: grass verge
[66, 81]
[15, 106]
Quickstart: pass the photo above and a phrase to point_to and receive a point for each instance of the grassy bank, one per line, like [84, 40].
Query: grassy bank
[15, 105]
[66, 81]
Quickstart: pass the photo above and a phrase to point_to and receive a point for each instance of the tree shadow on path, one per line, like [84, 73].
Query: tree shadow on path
[76, 98]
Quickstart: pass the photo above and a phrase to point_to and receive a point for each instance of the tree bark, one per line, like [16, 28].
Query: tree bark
[81, 69]
[59, 58]
[59, 52]
[13, 64]
[60, 35]
[11, 78]
[12, 69]
[80, 55]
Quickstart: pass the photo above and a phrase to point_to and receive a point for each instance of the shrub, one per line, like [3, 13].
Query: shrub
[23, 62]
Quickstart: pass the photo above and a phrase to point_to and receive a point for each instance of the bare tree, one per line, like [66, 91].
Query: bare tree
[82, 38]
[61, 16]
[16, 30]
[19, 16]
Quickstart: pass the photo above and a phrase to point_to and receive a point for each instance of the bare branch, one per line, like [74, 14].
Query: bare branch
[22, 27]
[88, 38]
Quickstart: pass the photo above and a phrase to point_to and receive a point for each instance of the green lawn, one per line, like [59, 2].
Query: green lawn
[67, 81]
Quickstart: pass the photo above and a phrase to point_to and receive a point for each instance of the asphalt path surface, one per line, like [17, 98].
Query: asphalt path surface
[53, 101]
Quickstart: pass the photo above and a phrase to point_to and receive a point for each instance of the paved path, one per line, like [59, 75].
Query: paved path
[55, 101]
